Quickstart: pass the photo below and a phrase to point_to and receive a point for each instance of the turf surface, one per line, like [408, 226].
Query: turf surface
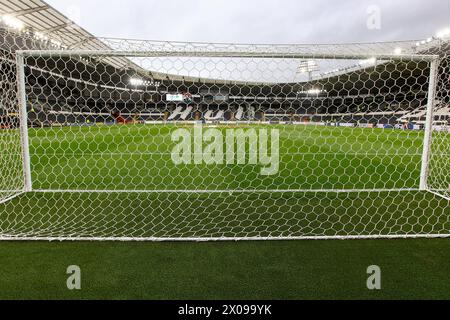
[311, 158]
[411, 269]
[139, 158]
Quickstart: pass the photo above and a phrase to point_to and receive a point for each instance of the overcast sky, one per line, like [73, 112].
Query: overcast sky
[260, 21]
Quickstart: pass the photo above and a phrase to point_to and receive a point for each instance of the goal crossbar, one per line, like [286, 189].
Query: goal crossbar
[223, 54]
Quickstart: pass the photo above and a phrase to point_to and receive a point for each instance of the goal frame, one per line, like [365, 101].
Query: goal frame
[21, 55]
[434, 61]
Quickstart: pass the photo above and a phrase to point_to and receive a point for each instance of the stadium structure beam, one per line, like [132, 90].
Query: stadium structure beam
[19, 13]
[59, 27]
[83, 40]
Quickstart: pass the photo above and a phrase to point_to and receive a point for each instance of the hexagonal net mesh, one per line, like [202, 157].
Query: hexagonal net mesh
[184, 141]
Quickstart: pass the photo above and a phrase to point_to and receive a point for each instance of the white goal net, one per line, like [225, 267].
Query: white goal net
[140, 140]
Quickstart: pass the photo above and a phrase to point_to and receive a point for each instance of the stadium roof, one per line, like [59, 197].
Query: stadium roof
[43, 20]
[41, 17]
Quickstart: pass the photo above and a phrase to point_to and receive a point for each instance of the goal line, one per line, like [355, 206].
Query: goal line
[233, 191]
[224, 239]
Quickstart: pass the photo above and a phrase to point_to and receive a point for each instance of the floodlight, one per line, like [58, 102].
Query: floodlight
[40, 36]
[308, 66]
[13, 22]
[137, 82]
[141, 82]
[314, 91]
[443, 34]
[56, 43]
[368, 61]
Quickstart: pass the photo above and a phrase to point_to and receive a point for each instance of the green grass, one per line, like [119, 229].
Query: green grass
[411, 269]
[139, 157]
[172, 215]
[311, 158]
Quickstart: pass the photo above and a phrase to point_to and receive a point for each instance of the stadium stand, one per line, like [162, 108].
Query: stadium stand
[341, 95]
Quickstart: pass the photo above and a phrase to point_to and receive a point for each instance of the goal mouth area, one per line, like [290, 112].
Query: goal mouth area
[200, 217]
[159, 141]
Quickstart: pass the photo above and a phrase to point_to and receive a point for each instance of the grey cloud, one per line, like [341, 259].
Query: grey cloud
[262, 21]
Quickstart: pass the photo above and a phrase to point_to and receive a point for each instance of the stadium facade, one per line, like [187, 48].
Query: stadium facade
[366, 93]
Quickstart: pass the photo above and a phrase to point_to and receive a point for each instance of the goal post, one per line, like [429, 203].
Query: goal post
[437, 177]
[429, 124]
[23, 115]
[11, 168]
[205, 142]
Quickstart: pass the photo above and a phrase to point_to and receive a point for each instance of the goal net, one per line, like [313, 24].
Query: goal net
[140, 140]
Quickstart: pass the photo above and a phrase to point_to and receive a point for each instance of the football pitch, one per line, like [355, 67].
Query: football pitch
[120, 181]
[138, 157]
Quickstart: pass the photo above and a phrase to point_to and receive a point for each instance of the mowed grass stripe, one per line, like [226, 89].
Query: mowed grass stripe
[138, 157]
